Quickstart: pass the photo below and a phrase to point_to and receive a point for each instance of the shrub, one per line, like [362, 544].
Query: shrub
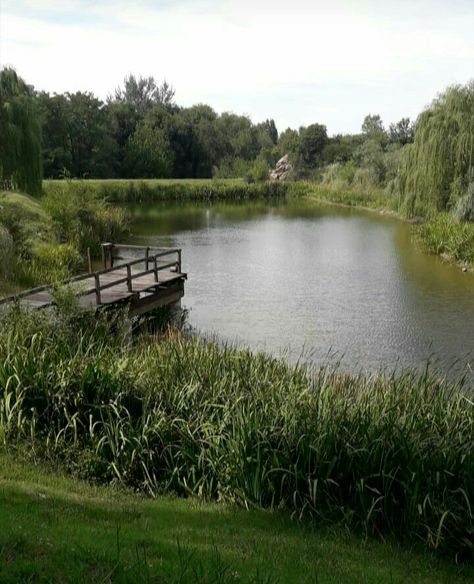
[82, 217]
[259, 171]
[25, 220]
[348, 171]
[50, 262]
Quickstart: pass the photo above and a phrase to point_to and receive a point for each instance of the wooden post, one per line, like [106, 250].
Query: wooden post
[129, 278]
[104, 257]
[179, 261]
[89, 261]
[97, 288]
[107, 250]
[155, 268]
[147, 253]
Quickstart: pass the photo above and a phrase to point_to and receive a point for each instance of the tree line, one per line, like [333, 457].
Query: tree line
[141, 132]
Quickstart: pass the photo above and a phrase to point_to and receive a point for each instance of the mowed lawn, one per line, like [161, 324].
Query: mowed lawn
[56, 529]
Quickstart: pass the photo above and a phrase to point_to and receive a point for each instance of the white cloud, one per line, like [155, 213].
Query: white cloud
[333, 60]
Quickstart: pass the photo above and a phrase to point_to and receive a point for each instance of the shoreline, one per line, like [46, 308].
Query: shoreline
[464, 266]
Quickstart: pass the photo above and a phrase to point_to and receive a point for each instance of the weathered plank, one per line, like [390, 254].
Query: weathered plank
[143, 288]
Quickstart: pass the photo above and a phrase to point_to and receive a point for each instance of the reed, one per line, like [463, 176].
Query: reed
[385, 454]
[148, 190]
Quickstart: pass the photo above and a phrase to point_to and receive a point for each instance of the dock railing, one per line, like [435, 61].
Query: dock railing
[108, 250]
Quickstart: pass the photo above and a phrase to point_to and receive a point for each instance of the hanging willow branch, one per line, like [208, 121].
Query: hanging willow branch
[439, 165]
[20, 134]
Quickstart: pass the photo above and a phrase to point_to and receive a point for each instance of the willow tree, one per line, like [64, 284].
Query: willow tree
[20, 135]
[439, 165]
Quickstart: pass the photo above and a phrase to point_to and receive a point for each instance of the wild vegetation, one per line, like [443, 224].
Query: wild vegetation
[147, 190]
[20, 135]
[388, 455]
[46, 240]
[438, 168]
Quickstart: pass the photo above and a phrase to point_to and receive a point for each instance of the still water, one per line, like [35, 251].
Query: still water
[313, 281]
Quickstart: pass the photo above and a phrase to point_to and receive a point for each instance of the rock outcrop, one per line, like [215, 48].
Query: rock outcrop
[282, 169]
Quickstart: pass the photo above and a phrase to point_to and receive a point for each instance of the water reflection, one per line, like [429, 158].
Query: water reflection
[314, 279]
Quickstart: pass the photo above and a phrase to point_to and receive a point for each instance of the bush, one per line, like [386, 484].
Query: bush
[82, 217]
[348, 171]
[259, 172]
[50, 262]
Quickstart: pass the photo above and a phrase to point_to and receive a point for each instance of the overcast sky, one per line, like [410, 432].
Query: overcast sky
[297, 61]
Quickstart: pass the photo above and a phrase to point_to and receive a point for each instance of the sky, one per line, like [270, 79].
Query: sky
[296, 61]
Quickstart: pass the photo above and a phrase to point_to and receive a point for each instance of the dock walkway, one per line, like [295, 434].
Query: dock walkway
[152, 279]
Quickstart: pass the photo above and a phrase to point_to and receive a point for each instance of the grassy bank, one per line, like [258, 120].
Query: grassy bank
[149, 190]
[45, 240]
[443, 236]
[376, 200]
[440, 235]
[388, 456]
[56, 529]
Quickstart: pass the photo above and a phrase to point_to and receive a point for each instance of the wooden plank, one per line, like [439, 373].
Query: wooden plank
[124, 283]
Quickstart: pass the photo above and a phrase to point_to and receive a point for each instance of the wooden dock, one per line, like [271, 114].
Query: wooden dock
[152, 279]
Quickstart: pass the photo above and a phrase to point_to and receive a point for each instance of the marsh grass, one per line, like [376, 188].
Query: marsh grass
[149, 190]
[382, 454]
[442, 235]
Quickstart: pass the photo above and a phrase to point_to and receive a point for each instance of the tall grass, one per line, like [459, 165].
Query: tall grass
[385, 454]
[443, 236]
[122, 191]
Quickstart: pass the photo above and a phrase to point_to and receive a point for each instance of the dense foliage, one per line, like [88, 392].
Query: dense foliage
[141, 132]
[386, 454]
[438, 169]
[20, 135]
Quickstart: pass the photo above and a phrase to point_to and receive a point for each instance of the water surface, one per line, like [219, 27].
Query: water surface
[313, 280]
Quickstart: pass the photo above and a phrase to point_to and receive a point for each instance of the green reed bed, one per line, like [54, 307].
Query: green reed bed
[149, 190]
[389, 455]
[443, 236]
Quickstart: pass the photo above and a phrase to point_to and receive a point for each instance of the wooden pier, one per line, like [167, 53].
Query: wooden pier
[152, 279]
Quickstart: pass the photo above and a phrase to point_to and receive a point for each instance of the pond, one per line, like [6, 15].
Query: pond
[316, 283]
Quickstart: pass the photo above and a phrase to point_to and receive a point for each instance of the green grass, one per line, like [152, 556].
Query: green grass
[376, 200]
[384, 455]
[30, 205]
[443, 236]
[56, 530]
[138, 190]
